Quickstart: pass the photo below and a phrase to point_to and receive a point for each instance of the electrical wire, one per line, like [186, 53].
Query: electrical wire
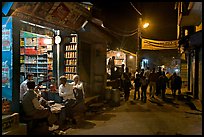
[124, 35]
[136, 9]
[131, 33]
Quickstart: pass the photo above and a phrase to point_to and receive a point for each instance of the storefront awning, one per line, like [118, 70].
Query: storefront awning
[70, 15]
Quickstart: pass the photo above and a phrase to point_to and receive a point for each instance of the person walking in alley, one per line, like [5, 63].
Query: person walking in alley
[147, 72]
[162, 84]
[112, 67]
[176, 83]
[127, 85]
[137, 72]
[141, 72]
[152, 83]
[137, 86]
[168, 75]
[144, 84]
[158, 88]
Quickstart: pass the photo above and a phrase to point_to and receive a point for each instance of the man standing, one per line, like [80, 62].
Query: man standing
[78, 90]
[176, 84]
[23, 86]
[144, 84]
[158, 87]
[147, 72]
[162, 83]
[152, 83]
[112, 65]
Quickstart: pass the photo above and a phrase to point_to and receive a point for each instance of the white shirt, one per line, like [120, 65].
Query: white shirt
[23, 88]
[136, 74]
[79, 86]
[66, 91]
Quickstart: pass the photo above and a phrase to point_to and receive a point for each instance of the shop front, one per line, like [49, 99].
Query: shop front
[191, 46]
[29, 46]
[33, 34]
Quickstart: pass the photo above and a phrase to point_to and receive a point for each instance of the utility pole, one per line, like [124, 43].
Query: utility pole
[138, 44]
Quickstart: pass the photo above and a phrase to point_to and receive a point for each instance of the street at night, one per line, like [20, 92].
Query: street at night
[102, 68]
[136, 118]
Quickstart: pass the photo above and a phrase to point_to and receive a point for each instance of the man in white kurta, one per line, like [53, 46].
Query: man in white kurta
[65, 89]
[77, 85]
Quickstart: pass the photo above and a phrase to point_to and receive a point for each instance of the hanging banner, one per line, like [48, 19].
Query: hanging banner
[148, 44]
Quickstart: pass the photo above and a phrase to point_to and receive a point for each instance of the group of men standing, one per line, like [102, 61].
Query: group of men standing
[157, 82]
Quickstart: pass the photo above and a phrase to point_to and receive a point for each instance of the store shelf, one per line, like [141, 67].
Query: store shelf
[70, 65]
[30, 63]
[34, 48]
[70, 57]
[70, 72]
[70, 50]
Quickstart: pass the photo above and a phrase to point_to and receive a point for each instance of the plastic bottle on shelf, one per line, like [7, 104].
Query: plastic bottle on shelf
[74, 39]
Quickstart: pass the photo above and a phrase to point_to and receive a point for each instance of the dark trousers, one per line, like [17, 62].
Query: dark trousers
[112, 73]
[174, 92]
[127, 94]
[74, 107]
[69, 105]
[137, 90]
[46, 113]
[143, 94]
[158, 89]
[163, 91]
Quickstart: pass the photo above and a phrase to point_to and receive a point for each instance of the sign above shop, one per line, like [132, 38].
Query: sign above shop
[69, 15]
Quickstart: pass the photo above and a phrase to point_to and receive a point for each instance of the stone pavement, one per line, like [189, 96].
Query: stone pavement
[155, 117]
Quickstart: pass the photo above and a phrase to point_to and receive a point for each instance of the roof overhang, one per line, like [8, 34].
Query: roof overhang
[65, 15]
[195, 16]
[196, 39]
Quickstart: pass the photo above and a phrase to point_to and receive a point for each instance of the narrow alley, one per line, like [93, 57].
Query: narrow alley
[172, 117]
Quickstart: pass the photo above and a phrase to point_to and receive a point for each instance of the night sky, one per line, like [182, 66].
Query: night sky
[122, 17]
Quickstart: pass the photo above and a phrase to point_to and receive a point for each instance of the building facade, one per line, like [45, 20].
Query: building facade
[189, 33]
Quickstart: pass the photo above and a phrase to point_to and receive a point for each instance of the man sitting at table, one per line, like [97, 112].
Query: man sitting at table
[34, 109]
[53, 95]
[66, 91]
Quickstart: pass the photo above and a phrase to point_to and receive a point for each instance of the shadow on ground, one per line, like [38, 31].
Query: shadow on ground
[101, 117]
[84, 125]
[170, 100]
